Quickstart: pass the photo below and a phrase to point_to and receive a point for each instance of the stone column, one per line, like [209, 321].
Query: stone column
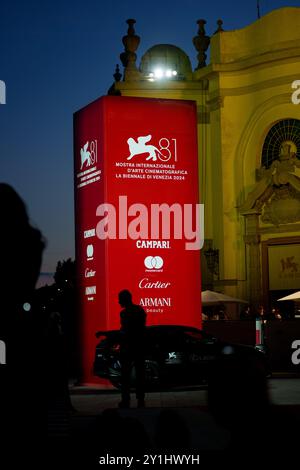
[252, 239]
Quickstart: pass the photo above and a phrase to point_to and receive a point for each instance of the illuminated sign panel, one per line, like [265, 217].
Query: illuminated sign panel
[137, 213]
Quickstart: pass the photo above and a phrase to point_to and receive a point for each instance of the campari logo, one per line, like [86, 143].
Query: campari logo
[89, 233]
[164, 150]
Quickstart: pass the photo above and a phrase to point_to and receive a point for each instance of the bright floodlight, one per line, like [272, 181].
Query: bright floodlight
[158, 73]
[161, 73]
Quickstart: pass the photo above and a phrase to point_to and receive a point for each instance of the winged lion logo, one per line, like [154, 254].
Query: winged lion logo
[138, 147]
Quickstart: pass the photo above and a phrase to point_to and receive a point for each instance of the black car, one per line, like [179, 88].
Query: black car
[175, 355]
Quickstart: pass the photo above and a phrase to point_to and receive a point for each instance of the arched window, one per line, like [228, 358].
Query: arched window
[285, 131]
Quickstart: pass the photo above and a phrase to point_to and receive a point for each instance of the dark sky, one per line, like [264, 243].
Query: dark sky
[55, 57]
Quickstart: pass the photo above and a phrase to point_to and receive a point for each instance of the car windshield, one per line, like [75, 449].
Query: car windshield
[194, 335]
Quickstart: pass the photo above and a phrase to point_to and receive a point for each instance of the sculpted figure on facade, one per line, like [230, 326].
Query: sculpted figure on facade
[281, 172]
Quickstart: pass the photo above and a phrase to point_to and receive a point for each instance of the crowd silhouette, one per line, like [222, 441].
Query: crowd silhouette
[35, 375]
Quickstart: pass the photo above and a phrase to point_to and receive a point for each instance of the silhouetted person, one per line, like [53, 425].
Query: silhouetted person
[133, 322]
[261, 313]
[246, 314]
[57, 370]
[21, 389]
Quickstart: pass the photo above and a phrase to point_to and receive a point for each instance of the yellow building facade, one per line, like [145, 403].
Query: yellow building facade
[249, 146]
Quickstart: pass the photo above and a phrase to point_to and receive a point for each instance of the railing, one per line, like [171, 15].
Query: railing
[279, 336]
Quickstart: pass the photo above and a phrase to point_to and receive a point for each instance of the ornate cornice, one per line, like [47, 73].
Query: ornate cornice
[257, 86]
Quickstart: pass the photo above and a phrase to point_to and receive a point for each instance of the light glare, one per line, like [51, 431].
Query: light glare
[158, 73]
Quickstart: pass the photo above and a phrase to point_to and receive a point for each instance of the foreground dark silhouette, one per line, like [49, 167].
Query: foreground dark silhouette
[238, 398]
[133, 322]
[22, 393]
